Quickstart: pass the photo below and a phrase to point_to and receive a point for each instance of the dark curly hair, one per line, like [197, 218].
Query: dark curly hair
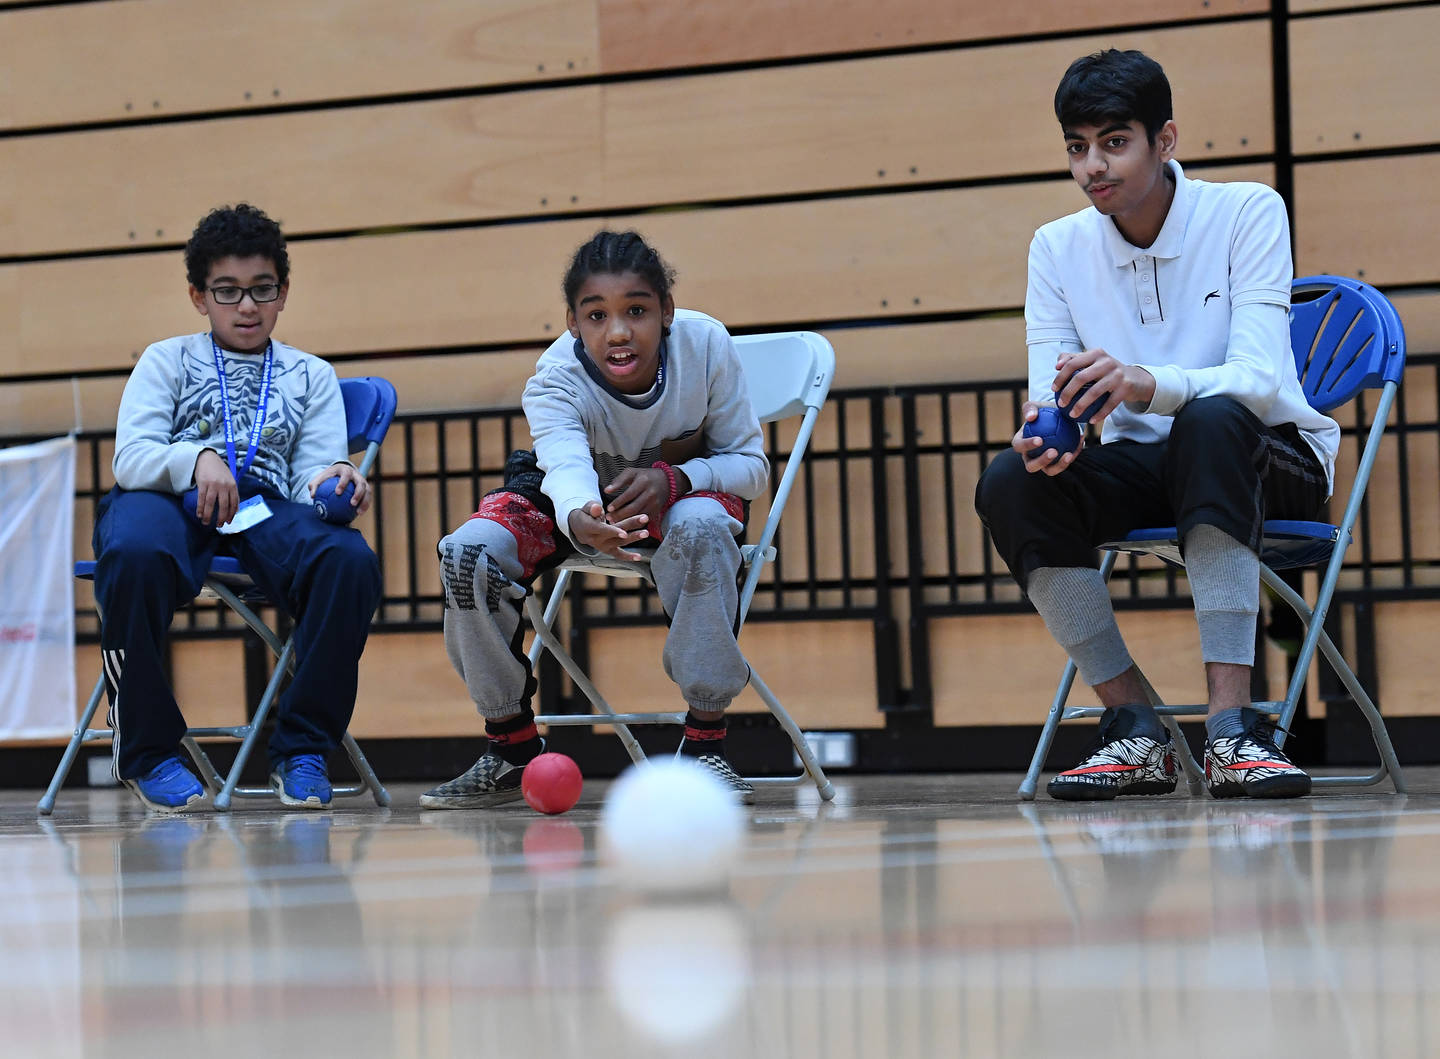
[1114, 86]
[241, 230]
[609, 253]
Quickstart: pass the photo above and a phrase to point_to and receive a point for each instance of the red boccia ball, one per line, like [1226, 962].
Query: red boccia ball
[551, 784]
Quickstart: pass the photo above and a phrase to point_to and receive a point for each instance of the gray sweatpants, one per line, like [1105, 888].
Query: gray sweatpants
[695, 568]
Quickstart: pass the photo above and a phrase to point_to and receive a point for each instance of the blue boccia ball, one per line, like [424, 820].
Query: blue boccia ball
[1056, 429]
[334, 507]
[1090, 406]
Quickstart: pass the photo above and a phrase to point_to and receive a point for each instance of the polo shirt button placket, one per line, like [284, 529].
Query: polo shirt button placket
[1145, 289]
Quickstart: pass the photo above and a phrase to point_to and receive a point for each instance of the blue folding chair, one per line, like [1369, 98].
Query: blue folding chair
[369, 408]
[1346, 337]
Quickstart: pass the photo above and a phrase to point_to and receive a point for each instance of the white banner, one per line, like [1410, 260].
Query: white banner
[37, 597]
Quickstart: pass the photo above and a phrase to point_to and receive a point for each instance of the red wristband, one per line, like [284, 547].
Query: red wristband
[661, 465]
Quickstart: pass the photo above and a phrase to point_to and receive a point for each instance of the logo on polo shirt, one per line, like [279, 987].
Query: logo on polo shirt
[1212, 294]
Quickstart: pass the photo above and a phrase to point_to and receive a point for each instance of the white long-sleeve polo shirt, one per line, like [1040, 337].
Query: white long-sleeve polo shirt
[1205, 309]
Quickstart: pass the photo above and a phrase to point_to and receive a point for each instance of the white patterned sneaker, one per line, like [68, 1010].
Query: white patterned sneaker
[1251, 765]
[1118, 763]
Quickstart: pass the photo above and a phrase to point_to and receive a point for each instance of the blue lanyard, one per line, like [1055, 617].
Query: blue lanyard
[259, 424]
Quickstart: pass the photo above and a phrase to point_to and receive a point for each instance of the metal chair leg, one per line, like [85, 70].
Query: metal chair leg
[1047, 733]
[552, 643]
[72, 749]
[367, 774]
[222, 800]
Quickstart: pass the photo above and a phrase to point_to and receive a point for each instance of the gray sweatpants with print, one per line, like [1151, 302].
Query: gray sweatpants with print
[695, 568]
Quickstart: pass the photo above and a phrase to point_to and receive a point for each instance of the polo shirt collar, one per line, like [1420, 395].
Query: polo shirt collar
[1171, 240]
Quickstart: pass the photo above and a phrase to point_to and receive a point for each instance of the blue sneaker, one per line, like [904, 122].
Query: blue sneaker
[169, 787]
[302, 781]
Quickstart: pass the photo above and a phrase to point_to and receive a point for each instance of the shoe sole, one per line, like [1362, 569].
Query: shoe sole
[1297, 786]
[313, 804]
[469, 801]
[192, 803]
[1089, 792]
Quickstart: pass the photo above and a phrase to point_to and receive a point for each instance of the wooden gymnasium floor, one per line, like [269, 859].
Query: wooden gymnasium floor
[915, 916]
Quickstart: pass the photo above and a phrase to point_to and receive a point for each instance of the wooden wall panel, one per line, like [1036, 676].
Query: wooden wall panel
[1364, 81]
[753, 266]
[209, 681]
[817, 127]
[1404, 639]
[882, 121]
[650, 34]
[425, 384]
[143, 58]
[1385, 530]
[824, 672]
[326, 170]
[1420, 313]
[1299, 7]
[121, 55]
[49, 407]
[1375, 218]
[1003, 669]
[408, 689]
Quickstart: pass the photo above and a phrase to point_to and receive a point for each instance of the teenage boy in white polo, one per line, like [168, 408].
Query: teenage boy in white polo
[1171, 296]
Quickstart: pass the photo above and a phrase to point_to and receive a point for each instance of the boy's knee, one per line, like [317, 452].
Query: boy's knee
[697, 523]
[1204, 416]
[1001, 483]
[462, 553]
[133, 555]
[699, 536]
[354, 557]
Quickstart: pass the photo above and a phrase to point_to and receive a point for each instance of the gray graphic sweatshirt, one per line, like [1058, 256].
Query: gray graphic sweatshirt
[698, 419]
[171, 412]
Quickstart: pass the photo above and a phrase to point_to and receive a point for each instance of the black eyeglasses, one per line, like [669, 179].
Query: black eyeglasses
[231, 295]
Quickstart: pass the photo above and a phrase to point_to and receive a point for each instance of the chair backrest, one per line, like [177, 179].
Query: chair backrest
[1345, 336]
[369, 406]
[786, 372]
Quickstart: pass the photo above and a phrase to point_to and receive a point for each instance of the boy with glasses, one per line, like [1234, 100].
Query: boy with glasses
[222, 438]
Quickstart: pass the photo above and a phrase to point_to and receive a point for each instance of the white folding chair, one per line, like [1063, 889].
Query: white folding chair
[369, 407]
[787, 374]
[1346, 337]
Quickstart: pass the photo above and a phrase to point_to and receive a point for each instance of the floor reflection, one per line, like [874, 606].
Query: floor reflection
[916, 916]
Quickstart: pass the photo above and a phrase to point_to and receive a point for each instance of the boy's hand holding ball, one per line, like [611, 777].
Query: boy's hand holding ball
[340, 493]
[1050, 438]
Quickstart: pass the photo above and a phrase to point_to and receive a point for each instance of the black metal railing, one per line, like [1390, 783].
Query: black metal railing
[881, 522]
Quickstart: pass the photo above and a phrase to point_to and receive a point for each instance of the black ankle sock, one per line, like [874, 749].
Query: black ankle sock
[703, 737]
[515, 738]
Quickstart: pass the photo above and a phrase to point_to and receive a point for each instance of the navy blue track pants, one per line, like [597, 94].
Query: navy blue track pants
[152, 558]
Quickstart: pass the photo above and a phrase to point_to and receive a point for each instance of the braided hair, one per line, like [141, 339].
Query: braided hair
[610, 253]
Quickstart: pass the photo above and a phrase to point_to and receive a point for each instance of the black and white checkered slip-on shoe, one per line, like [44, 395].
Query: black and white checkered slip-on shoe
[490, 781]
[1251, 765]
[1120, 761]
[718, 767]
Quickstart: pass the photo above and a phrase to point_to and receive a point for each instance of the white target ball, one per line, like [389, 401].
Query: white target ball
[671, 826]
